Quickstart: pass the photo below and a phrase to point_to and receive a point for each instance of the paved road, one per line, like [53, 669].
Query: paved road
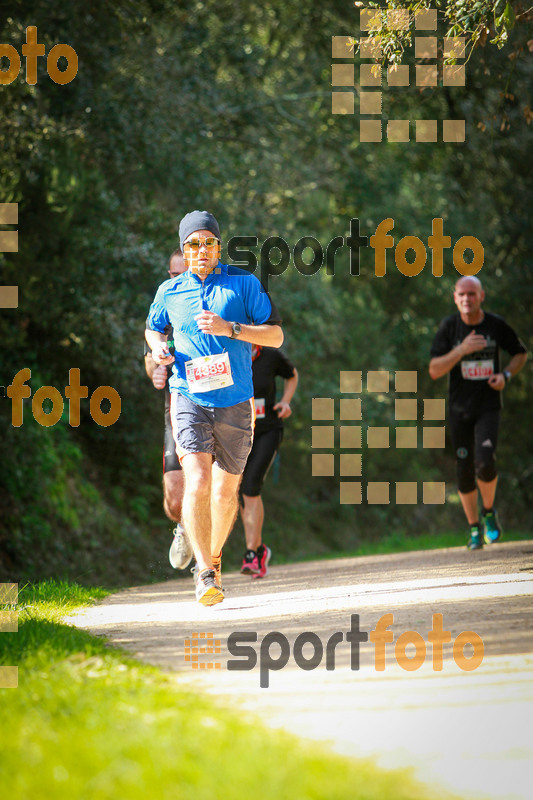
[466, 731]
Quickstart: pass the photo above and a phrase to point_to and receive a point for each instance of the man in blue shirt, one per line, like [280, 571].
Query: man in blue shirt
[217, 312]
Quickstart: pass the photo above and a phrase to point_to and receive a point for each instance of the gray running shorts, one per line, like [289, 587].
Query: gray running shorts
[226, 433]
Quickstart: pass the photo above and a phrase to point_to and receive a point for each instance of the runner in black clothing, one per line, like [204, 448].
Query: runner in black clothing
[180, 553]
[467, 346]
[267, 362]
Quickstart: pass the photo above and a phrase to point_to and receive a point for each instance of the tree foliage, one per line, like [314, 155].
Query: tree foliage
[227, 106]
[478, 21]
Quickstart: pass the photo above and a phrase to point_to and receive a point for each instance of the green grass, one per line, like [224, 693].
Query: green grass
[397, 541]
[88, 722]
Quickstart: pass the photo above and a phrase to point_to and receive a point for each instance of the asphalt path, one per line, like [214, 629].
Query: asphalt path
[462, 729]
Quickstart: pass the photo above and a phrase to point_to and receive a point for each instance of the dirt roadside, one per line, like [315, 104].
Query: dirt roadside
[466, 731]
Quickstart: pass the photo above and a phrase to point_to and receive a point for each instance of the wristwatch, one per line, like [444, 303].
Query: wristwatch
[507, 375]
[235, 330]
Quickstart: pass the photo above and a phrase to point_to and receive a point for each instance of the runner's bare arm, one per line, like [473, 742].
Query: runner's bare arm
[441, 365]
[157, 342]
[156, 373]
[516, 363]
[149, 365]
[265, 335]
[283, 406]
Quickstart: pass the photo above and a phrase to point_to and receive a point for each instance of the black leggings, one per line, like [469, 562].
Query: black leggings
[474, 441]
[261, 456]
[171, 461]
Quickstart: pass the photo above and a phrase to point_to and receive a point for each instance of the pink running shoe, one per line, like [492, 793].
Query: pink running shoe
[250, 563]
[264, 554]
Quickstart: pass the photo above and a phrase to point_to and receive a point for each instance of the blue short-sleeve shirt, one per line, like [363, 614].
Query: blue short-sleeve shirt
[233, 294]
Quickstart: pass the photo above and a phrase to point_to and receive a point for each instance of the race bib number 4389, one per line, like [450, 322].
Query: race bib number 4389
[477, 370]
[206, 373]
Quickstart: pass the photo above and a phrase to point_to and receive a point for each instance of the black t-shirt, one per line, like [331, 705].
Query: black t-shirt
[269, 363]
[470, 392]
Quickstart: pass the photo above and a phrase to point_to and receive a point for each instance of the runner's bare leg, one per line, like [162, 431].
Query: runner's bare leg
[469, 501]
[253, 515]
[173, 488]
[487, 490]
[197, 505]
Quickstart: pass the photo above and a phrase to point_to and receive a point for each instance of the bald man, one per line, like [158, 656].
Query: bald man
[467, 346]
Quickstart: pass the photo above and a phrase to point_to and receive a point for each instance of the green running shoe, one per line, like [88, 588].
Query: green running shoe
[491, 527]
[476, 538]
